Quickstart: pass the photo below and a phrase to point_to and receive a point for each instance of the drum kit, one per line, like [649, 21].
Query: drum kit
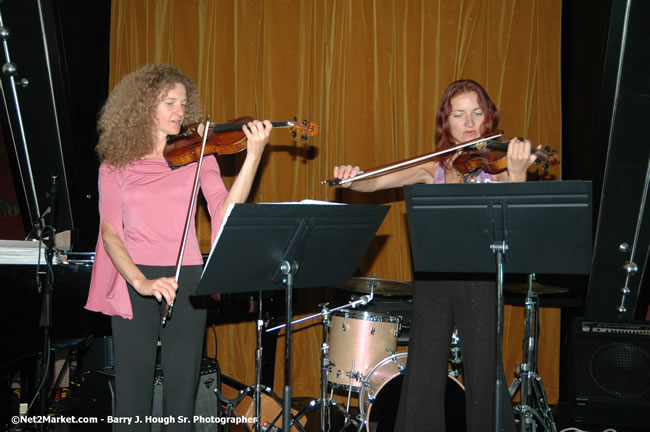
[360, 358]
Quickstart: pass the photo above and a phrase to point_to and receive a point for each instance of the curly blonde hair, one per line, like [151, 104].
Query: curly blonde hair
[126, 121]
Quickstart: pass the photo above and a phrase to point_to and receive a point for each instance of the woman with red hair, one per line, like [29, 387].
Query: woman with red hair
[442, 303]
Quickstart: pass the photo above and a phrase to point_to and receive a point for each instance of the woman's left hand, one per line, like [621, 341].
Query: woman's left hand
[520, 158]
[257, 133]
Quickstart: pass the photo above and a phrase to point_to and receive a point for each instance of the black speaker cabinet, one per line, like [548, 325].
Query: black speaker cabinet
[98, 397]
[99, 355]
[206, 404]
[609, 379]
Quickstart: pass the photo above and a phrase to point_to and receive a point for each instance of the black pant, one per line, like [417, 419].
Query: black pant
[135, 342]
[438, 306]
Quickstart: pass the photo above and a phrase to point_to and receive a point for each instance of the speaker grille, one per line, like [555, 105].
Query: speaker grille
[621, 370]
[609, 379]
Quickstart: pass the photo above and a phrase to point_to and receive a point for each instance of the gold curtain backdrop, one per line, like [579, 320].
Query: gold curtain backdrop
[371, 73]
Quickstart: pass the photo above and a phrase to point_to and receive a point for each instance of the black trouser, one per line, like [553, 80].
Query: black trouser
[438, 306]
[135, 343]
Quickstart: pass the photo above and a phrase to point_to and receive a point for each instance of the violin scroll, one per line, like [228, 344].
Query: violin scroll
[549, 157]
[306, 129]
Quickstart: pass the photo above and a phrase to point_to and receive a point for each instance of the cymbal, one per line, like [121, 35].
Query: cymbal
[538, 288]
[382, 286]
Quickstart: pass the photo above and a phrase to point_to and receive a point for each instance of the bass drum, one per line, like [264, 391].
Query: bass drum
[379, 397]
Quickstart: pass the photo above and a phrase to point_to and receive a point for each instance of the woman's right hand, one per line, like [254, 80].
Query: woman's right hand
[343, 172]
[164, 287]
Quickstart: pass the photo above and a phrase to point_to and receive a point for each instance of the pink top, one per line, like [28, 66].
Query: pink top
[147, 203]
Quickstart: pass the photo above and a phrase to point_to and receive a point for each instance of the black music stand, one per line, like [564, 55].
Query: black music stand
[270, 246]
[536, 227]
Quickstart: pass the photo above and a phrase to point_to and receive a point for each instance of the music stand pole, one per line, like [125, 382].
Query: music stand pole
[499, 248]
[47, 235]
[289, 271]
[258, 365]
[323, 368]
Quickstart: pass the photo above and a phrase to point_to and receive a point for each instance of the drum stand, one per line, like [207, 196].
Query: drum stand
[256, 389]
[455, 356]
[325, 403]
[533, 409]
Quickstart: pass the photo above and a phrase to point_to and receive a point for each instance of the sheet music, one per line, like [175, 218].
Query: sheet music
[308, 201]
[231, 206]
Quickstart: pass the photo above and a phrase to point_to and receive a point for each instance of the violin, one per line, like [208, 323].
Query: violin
[491, 157]
[483, 152]
[225, 138]
[407, 163]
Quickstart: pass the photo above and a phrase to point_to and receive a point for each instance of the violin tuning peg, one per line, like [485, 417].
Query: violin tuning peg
[293, 134]
[545, 166]
[304, 137]
[538, 161]
[547, 148]
[295, 119]
[304, 122]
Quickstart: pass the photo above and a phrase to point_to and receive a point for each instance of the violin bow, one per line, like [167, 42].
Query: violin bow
[169, 307]
[408, 162]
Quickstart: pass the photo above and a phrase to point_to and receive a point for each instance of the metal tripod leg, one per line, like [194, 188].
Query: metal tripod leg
[533, 409]
[324, 402]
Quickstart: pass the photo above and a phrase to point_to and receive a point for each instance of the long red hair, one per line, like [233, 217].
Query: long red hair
[443, 132]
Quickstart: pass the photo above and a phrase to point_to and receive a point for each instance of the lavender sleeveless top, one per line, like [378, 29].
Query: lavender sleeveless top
[481, 177]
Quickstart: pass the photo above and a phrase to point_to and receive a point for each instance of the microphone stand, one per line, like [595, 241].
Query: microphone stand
[47, 235]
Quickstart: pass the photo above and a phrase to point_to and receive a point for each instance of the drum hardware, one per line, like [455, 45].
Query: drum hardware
[381, 286]
[232, 403]
[353, 376]
[533, 409]
[324, 401]
[257, 389]
[537, 288]
[242, 404]
[455, 355]
[391, 356]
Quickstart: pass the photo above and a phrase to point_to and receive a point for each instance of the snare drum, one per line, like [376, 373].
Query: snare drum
[357, 341]
[380, 393]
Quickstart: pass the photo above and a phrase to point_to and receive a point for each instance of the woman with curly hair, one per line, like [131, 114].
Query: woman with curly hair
[143, 205]
[444, 302]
